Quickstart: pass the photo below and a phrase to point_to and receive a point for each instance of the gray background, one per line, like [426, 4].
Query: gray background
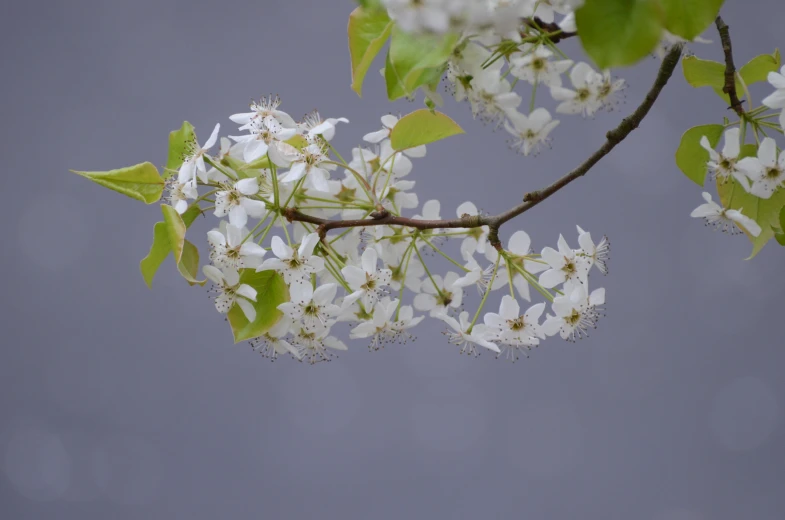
[121, 402]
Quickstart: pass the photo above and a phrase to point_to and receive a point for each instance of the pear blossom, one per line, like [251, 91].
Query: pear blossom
[313, 307]
[384, 327]
[584, 99]
[230, 248]
[193, 162]
[514, 331]
[766, 171]
[439, 294]
[234, 200]
[575, 313]
[725, 165]
[272, 344]
[310, 162]
[597, 254]
[296, 265]
[477, 237]
[462, 336]
[313, 343]
[724, 219]
[534, 66]
[180, 192]
[265, 107]
[776, 100]
[313, 125]
[530, 131]
[421, 15]
[231, 291]
[265, 132]
[491, 97]
[367, 281]
[476, 275]
[566, 266]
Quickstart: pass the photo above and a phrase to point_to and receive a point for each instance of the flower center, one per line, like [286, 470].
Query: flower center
[517, 324]
[574, 318]
[773, 172]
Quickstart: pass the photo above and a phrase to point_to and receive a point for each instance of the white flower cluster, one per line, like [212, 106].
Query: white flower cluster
[441, 16]
[364, 274]
[504, 43]
[760, 175]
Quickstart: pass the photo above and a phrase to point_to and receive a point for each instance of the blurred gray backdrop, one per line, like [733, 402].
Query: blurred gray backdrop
[122, 402]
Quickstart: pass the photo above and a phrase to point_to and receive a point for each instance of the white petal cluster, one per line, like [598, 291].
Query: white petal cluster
[382, 280]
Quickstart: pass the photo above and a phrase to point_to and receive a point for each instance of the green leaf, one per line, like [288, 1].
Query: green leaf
[271, 291]
[414, 60]
[368, 31]
[179, 143]
[161, 248]
[691, 157]
[766, 212]
[758, 68]
[782, 219]
[189, 264]
[689, 18]
[158, 253]
[619, 32]
[702, 73]
[780, 238]
[175, 230]
[140, 182]
[422, 127]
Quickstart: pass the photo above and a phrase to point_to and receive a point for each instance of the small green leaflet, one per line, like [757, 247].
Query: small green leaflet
[141, 182]
[188, 264]
[707, 73]
[180, 142]
[415, 60]
[368, 31]
[271, 291]
[691, 157]
[689, 18]
[422, 127]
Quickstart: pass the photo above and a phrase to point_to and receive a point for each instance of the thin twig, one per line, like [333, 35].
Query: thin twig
[730, 69]
[531, 199]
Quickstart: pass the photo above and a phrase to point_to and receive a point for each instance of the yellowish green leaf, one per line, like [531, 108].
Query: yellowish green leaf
[141, 182]
[271, 291]
[368, 31]
[691, 157]
[422, 127]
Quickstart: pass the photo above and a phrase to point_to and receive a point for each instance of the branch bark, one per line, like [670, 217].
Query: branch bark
[531, 199]
[730, 69]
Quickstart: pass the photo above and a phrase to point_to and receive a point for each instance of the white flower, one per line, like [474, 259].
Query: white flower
[724, 165]
[567, 266]
[397, 193]
[597, 255]
[180, 192]
[314, 125]
[515, 332]
[766, 171]
[383, 328]
[530, 131]
[231, 291]
[534, 66]
[606, 88]
[314, 307]
[229, 248]
[420, 15]
[518, 255]
[265, 107]
[584, 99]
[296, 265]
[271, 344]
[430, 211]
[477, 237]
[367, 282]
[491, 97]
[724, 219]
[461, 336]
[194, 160]
[575, 314]
[235, 202]
[439, 294]
[476, 275]
[265, 132]
[310, 162]
[776, 100]
[313, 343]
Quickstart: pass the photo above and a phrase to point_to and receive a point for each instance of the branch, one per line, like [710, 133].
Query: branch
[531, 199]
[730, 69]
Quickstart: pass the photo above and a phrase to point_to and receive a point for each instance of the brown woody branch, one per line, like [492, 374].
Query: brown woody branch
[730, 69]
[551, 28]
[531, 199]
